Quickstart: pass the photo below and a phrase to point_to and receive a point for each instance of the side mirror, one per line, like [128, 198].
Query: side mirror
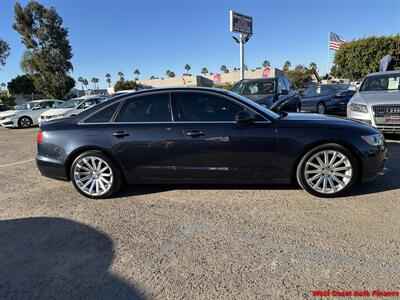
[245, 116]
[284, 92]
[36, 108]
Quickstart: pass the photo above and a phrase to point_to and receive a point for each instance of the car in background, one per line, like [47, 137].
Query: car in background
[26, 115]
[377, 102]
[205, 135]
[3, 107]
[277, 94]
[70, 108]
[327, 98]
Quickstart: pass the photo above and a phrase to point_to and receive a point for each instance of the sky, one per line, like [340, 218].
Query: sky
[154, 36]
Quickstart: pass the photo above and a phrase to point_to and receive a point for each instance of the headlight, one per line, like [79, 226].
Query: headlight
[358, 107]
[374, 139]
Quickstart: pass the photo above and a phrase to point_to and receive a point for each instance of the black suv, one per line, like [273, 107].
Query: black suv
[277, 94]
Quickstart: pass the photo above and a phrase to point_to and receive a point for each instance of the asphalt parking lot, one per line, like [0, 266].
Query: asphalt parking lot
[191, 242]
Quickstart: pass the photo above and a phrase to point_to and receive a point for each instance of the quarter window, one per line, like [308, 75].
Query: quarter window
[152, 108]
[206, 107]
[103, 116]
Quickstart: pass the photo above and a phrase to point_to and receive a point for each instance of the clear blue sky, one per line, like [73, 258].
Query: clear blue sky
[153, 36]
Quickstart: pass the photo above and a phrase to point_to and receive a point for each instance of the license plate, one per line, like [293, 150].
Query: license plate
[393, 120]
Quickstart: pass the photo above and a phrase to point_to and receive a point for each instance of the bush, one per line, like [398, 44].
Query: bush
[301, 76]
[356, 59]
[225, 86]
[9, 102]
[126, 85]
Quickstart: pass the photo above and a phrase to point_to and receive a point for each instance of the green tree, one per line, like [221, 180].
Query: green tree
[81, 80]
[224, 69]
[48, 54]
[204, 71]
[286, 66]
[85, 83]
[95, 82]
[108, 79]
[301, 76]
[136, 73]
[356, 59]
[168, 72]
[4, 51]
[121, 76]
[126, 85]
[266, 63]
[313, 65]
[187, 68]
[152, 77]
[22, 84]
[7, 101]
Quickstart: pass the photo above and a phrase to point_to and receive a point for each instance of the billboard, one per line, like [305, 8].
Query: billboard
[266, 72]
[217, 78]
[241, 23]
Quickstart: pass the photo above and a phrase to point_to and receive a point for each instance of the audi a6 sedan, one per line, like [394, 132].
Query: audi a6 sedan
[204, 135]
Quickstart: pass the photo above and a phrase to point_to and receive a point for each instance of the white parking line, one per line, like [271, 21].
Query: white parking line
[17, 163]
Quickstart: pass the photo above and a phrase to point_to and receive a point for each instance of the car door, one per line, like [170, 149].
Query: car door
[218, 148]
[310, 98]
[293, 96]
[282, 99]
[40, 108]
[146, 141]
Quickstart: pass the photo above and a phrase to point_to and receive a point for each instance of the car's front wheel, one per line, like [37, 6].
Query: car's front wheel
[94, 175]
[24, 122]
[329, 170]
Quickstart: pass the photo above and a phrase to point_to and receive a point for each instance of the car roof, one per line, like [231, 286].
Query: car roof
[178, 88]
[43, 100]
[384, 73]
[259, 79]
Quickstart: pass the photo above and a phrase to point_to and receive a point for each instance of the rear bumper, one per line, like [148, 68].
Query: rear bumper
[374, 165]
[51, 168]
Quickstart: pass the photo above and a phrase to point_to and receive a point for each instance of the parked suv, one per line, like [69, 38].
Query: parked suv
[377, 102]
[277, 94]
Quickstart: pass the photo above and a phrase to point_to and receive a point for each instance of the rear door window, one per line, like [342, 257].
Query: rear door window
[151, 108]
[104, 115]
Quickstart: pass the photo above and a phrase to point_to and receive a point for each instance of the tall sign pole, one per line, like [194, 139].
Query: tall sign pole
[243, 25]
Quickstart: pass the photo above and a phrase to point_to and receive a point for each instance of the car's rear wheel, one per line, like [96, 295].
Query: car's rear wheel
[94, 175]
[329, 170]
[24, 122]
[321, 108]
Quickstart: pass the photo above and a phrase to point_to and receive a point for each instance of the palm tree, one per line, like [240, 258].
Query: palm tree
[171, 74]
[168, 72]
[136, 73]
[97, 80]
[204, 71]
[313, 65]
[187, 68]
[93, 80]
[286, 66]
[85, 82]
[121, 75]
[3, 86]
[152, 77]
[224, 69]
[108, 79]
[80, 79]
[266, 63]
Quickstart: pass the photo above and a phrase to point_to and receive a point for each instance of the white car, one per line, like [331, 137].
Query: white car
[70, 108]
[377, 102]
[26, 115]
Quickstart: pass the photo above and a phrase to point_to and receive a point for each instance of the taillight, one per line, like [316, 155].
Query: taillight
[39, 137]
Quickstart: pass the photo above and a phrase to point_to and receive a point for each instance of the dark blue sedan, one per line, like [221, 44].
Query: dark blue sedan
[192, 135]
[326, 98]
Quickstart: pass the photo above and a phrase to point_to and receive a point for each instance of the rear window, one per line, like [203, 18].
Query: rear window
[104, 115]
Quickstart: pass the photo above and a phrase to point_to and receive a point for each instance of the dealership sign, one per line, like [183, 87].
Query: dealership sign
[241, 23]
[266, 72]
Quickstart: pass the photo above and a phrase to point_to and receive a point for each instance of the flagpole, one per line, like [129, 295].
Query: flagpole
[327, 60]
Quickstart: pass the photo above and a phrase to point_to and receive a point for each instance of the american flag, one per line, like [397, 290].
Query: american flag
[335, 41]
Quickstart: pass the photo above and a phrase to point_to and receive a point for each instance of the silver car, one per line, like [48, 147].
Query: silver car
[377, 102]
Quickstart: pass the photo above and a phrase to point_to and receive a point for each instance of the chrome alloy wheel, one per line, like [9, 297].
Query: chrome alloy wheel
[25, 122]
[93, 176]
[328, 171]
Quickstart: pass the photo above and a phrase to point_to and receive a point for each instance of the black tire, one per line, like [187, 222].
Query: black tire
[24, 122]
[321, 108]
[298, 109]
[116, 173]
[300, 172]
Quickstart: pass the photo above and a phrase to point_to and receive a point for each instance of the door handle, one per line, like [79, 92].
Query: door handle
[195, 133]
[120, 134]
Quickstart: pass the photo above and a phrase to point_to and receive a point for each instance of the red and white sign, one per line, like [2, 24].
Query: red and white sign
[217, 78]
[266, 72]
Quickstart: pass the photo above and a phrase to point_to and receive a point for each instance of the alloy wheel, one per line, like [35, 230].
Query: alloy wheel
[93, 176]
[25, 122]
[321, 108]
[328, 171]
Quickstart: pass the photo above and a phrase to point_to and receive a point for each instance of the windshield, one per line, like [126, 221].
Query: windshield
[27, 105]
[387, 82]
[69, 104]
[255, 87]
[340, 87]
[255, 104]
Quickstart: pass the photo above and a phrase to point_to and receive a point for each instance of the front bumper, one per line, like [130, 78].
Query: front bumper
[8, 123]
[51, 168]
[374, 163]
